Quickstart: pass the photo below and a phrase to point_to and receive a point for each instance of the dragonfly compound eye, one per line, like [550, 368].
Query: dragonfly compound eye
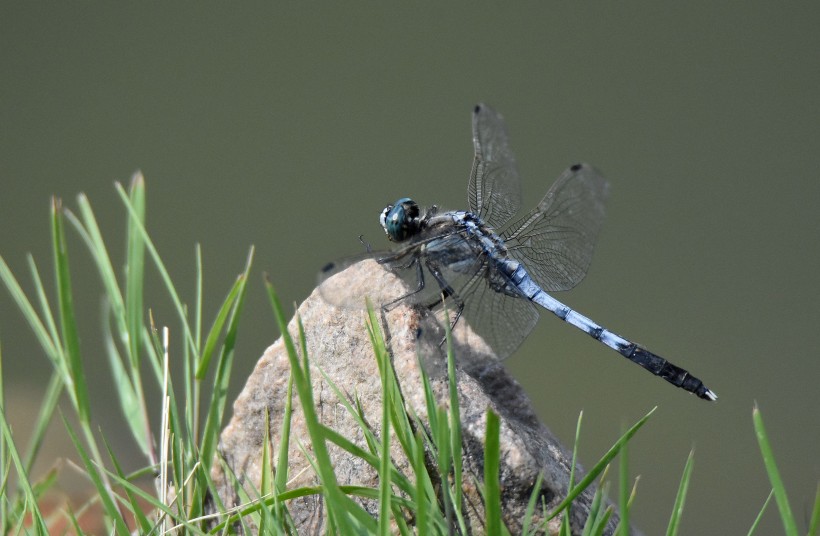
[400, 221]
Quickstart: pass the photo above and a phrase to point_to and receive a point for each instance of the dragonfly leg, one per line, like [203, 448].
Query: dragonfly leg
[447, 291]
[365, 243]
[419, 287]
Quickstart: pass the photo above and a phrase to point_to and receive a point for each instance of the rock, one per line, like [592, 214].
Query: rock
[338, 344]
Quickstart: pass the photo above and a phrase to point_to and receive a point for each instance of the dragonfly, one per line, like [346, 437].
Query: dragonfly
[495, 271]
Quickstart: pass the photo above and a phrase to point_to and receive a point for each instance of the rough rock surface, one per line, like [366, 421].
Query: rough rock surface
[338, 345]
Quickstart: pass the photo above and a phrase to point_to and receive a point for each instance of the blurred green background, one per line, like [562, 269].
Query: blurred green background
[290, 127]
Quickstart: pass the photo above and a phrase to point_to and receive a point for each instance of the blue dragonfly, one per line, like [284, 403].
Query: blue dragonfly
[478, 265]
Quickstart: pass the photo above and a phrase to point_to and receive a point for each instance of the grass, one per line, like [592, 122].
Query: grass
[179, 444]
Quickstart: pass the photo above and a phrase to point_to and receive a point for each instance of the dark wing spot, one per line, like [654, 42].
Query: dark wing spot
[576, 167]
[477, 108]
[329, 267]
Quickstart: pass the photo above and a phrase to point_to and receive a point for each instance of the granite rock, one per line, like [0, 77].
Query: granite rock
[338, 346]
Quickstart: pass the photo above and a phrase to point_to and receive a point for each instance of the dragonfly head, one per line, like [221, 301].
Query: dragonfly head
[401, 220]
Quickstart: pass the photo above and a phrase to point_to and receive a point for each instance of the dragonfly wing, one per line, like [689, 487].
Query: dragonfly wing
[555, 240]
[502, 319]
[494, 191]
[379, 287]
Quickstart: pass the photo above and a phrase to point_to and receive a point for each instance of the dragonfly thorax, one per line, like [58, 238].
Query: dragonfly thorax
[401, 220]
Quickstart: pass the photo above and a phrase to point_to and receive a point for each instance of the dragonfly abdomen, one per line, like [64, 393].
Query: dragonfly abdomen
[639, 355]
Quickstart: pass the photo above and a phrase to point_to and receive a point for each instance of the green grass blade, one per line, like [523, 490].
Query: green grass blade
[139, 517]
[492, 488]
[75, 524]
[266, 483]
[44, 337]
[129, 324]
[593, 523]
[106, 498]
[191, 358]
[219, 323]
[530, 511]
[391, 401]
[372, 459]
[399, 418]
[760, 514]
[156, 349]
[565, 520]
[135, 273]
[54, 349]
[789, 525]
[358, 491]
[369, 455]
[134, 281]
[89, 231]
[814, 524]
[49, 340]
[455, 425]
[623, 491]
[680, 499]
[441, 439]
[130, 402]
[152, 502]
[344, 509]
[395, 421]
[50, 400]
[216, 407]
[75, 381]
[429, 398]
[603, 522]
[5, 462]
[341, 509]
[266, 523]
[163, 272]
[282, 459]
[422, 512]
[68, 322]
[601, 465]
[198, 299]
[384, 450]
[575, 445]
[23, 479]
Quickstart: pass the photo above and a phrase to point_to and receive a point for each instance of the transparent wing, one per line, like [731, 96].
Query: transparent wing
[494, 192]
[337, 287]
[555, 240]
[502, 320]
